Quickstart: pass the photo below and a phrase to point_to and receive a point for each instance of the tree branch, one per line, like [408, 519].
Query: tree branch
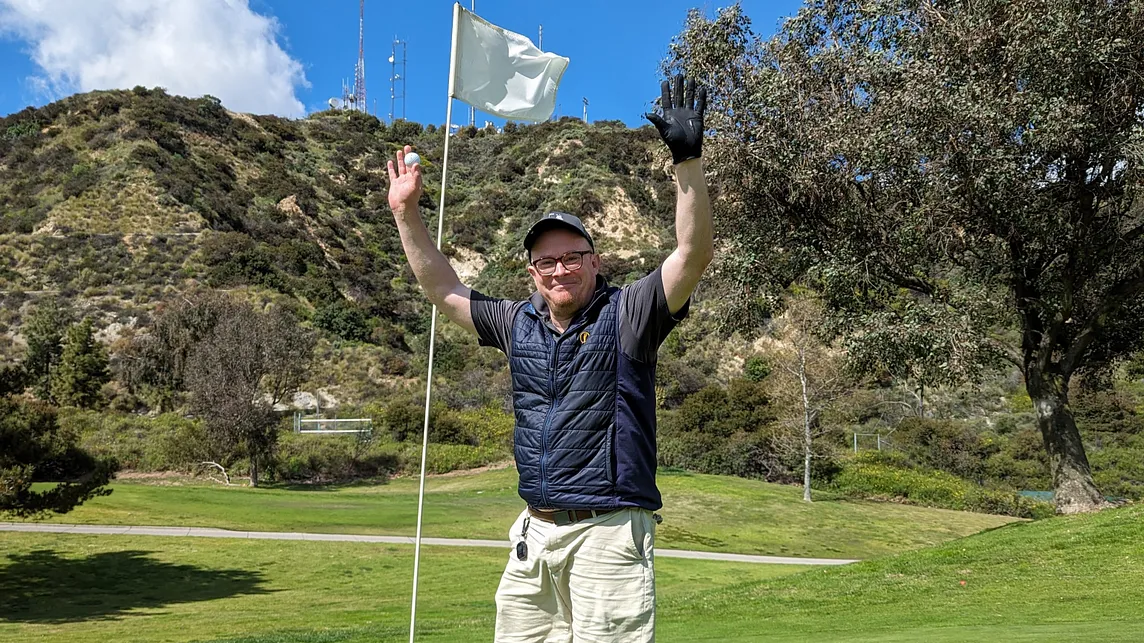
[1121, 292]
[220, 468]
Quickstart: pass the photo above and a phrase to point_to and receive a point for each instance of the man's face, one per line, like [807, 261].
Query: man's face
[566, 291]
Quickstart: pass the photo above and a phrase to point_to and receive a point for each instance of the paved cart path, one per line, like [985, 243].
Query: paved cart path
[204, 532]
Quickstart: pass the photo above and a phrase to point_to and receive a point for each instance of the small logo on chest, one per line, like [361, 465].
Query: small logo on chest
[584, 337]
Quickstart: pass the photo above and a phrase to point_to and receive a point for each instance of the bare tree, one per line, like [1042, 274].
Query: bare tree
[246, 363]
[810, 377]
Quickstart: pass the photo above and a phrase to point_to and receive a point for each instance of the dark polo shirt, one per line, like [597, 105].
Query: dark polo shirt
[645, 319]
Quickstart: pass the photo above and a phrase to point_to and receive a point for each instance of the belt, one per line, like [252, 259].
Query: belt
[567, 516]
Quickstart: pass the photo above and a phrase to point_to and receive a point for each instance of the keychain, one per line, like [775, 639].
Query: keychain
[522, 547]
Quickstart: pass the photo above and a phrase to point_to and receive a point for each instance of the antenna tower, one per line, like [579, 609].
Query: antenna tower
[360, 103]
[397, 77]
[585, 109]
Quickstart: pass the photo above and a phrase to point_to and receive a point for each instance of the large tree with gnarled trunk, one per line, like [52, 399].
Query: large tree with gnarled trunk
[968, 170]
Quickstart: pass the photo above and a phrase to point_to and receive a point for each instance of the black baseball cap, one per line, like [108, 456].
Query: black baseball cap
[556, 220]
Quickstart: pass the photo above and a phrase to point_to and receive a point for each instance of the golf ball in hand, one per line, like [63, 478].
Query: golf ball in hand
[412, 159]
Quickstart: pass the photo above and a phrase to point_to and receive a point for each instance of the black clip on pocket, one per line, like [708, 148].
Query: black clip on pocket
[522, 547]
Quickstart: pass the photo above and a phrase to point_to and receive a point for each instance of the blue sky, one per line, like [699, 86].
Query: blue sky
[290, 56]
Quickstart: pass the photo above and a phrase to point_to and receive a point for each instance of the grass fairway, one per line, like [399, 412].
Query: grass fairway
[91, 589]
[710, 513]
[1073, 578]
[1063, 579]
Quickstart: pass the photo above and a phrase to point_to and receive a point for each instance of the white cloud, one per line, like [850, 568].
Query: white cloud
[190, 47]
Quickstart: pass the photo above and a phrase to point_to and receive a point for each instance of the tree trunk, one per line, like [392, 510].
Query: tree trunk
[253, 471]
[1074, 489]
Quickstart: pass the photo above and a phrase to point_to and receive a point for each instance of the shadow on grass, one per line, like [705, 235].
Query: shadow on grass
[42, 587]
[677, 536]
[328, 485]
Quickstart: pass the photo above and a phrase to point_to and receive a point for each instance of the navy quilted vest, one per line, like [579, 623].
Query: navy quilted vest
[585, 412]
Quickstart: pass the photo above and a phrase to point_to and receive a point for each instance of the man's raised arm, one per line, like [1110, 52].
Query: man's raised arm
[436, 277]
[681, 127]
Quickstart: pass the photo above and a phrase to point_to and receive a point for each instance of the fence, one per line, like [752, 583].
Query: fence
[359, 426]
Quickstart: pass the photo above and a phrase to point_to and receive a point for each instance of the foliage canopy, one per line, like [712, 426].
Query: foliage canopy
[947, 171]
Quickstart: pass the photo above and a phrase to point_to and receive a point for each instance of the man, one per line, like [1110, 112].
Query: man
[582, 356]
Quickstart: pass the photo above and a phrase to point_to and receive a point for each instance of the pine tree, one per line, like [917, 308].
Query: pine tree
[82, 368]
[34, 449]
[44, 331]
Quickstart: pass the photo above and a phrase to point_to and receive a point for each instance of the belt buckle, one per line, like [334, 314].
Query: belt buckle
[563, 518]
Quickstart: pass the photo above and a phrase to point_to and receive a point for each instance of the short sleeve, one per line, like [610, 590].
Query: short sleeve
[493, 320]
[645, 319]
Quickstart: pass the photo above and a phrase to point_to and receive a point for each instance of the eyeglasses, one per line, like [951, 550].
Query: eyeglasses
[571, 260]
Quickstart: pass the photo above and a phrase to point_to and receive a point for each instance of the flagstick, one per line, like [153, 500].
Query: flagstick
[433, 329]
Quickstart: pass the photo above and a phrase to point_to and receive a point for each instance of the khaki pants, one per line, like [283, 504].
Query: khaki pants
[588, 582]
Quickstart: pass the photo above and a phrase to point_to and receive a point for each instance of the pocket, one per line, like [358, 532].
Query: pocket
[638, 531]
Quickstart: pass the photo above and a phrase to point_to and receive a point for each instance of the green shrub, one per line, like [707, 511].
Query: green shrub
[343, 319]
[24, 129]
[13, 379]
[82, 177]
[952, 446]
[756, 368]
[332, 458]
[168, 442]
[688, 451]
[403, 419]
[870, 477]
[489, 427]
[446, 427]
[443, 458]
[1119, 471]
[746, 454]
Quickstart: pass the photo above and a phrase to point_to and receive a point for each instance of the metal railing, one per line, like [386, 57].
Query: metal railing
[326, 425]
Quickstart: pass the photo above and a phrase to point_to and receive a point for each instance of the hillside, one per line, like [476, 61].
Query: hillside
[116, 200]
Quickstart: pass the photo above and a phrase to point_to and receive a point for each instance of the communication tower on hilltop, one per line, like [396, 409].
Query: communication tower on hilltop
[359, 73]
[353, 95]
[396, 78]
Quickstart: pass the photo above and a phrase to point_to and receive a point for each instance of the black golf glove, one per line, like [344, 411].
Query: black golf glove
[681, 125]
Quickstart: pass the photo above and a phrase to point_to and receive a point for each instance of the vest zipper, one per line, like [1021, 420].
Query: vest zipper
[556, 396]
[548, 423]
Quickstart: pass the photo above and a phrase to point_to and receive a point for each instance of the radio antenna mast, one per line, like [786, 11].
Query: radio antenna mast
[359, 73]
[396, 78]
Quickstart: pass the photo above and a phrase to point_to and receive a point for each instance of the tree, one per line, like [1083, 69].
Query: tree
[979, 161]
[154, 364]
[246, 363]
[82, 368]
[288, 349]
[33, 448]
[343, 319]
[12, 379]
[44, 332]
[810, 376]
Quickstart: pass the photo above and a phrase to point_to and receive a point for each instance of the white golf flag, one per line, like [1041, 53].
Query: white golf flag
[501, 72]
